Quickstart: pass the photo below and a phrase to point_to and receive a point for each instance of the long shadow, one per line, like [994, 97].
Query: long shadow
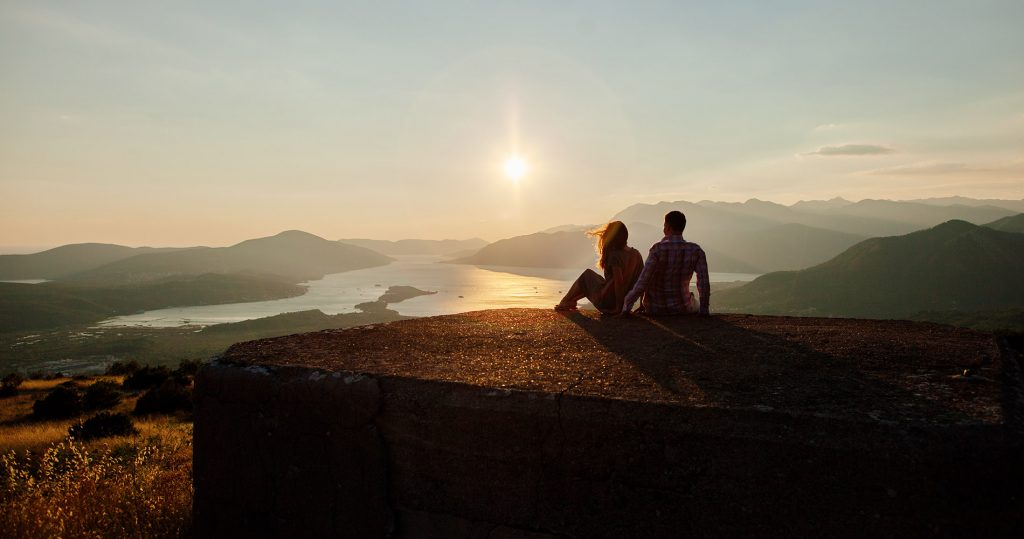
[713, 361]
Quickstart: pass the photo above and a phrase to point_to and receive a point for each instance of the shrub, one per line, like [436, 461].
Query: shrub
[101, 395]
[103, 425]
[187, 368]
[9, 384]
[60, 403]
[146, 378]
[170, 397]
[126, 368]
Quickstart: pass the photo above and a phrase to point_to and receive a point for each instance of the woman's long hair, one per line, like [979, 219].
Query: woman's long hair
[610, 237]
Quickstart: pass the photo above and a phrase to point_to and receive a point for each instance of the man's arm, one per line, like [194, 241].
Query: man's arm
[641, 282]
[703, 282]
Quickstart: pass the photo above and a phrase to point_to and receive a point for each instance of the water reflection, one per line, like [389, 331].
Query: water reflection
[460, 288]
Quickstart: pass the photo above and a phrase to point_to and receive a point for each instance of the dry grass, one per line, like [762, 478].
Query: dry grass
[131, 486]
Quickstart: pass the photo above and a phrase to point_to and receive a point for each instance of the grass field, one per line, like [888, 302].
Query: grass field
[124, 486]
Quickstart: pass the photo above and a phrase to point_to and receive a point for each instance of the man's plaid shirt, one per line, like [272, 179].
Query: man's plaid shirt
[666, 276]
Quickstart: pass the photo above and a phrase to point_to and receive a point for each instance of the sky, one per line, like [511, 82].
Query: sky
[207, 123]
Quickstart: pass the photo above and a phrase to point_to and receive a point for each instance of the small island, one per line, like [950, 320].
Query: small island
[394, 294]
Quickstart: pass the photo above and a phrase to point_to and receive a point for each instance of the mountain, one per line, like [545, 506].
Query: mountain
[292, 255]
[541, 250]
[569, 228]
[953, 266]
[786, 247]
[1014, 205]
[1013, 223]
[921, 215]
[821, 205]
[418, 247]
[67, 260]
[707, 219]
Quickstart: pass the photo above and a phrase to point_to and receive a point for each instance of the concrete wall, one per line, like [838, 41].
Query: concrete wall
[298, 452]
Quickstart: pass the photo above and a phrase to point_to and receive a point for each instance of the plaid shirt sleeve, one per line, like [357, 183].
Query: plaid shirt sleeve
[703, 282]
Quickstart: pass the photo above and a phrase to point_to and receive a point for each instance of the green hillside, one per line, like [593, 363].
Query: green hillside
[953, 266]
[49, 305]
[1012, 223]
[67, 260]
[293, 255]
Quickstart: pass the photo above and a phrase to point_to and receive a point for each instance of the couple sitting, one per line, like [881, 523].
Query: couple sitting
[664, 280]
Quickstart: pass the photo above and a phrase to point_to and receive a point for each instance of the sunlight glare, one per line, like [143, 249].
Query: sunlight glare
[515, 168]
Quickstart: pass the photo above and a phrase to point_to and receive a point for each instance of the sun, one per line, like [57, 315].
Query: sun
[515, 168]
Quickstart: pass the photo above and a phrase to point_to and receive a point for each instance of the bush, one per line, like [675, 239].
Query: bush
[126, 368]
[103, 425]
[146, 378]
[187, 369]
[170, 397]
[101, 395]
[9, 384]
[60, 403]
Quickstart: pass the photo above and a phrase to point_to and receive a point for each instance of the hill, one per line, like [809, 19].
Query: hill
[66, 260]
[953, 266]
[564, 249]
[1013, 223]
[293, 255]
[1014, 205]
[785, 247]
[418, 247]
[49, 305]
[707, 220]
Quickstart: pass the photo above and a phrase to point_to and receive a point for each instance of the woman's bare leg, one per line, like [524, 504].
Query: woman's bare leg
[587, 282]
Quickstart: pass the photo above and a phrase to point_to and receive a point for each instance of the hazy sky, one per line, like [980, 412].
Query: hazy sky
[179, 123]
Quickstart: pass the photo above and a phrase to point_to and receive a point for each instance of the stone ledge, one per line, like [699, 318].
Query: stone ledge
[523, 423]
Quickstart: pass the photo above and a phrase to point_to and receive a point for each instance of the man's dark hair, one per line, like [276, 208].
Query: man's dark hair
[676, 221]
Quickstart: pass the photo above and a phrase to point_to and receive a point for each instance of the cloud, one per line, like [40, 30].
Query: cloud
[828, 127]
[852, 149]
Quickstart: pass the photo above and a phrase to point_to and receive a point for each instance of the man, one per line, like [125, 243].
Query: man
[666, 276]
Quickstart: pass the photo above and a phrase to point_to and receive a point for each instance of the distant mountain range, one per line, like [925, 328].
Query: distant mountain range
[1014, 205]
[419, 247]
[868, 218]
[955, 266]
[67, 260]
[292, 256]
[748, 237]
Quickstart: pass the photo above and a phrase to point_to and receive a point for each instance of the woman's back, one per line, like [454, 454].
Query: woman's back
[622, 268]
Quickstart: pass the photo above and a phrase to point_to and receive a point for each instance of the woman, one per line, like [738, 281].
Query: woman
[621, 264]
